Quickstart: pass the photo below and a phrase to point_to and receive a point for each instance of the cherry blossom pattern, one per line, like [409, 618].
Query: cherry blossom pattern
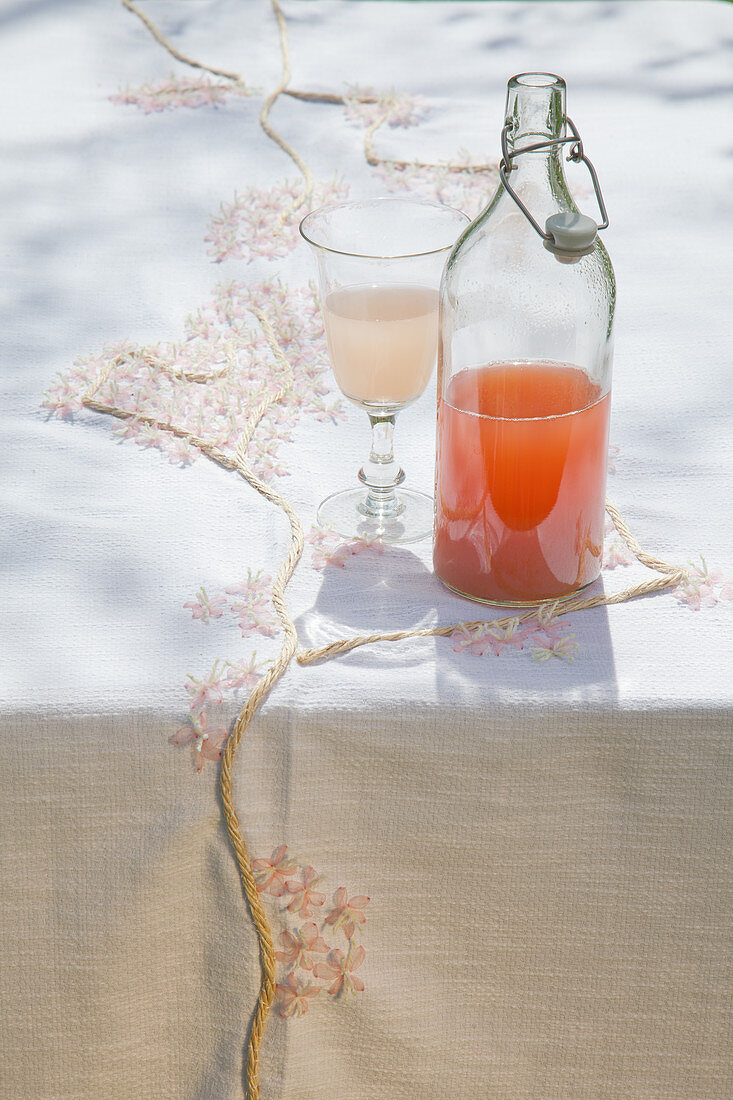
[209, 692]
[208, 383]
[481, 638]
[252, 226]
[304, 894]
[207, 741]
[271, 874]
[563, 647]
[347, 913]
[293, 996]
[252, 604]
[703, 586]
[330, 549]
[541, 634]
[341, 969]
[205, 608]
[468, 188]
[186, 91]
[616, 553]
[299, 945]
[324, 948]
[364, 107]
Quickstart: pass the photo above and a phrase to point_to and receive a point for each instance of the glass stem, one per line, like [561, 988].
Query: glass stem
[381, 474]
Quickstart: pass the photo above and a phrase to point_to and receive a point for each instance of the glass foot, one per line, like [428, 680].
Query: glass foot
[409, 518]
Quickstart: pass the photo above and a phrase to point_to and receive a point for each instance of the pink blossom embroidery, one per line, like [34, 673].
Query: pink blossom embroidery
[205, 608]
[178, 92]
[254, 610]
[252, 225]
[703, 587]
[270, 874]
[304, 946]
[555, 647]
[207, 743]
[464, 188]
[205, 691]
[479, 639]
[474, 639]
[304, 893]
[243, 674]
[616, 553]
[340, 970]
[63, 397]
[331, 549]
[364, 107]
[544, 624]
[299, 945]
[208, 383]
[347, 914]
[293, 997]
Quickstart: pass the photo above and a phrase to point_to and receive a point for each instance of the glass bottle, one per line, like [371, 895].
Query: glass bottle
[524, 374]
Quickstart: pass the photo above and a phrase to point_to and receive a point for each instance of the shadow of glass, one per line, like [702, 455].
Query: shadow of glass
[371, 594]
[397, 591]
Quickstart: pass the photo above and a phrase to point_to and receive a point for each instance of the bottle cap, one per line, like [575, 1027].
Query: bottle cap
[571, 232]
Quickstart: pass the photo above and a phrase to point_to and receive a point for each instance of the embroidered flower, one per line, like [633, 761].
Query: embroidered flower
[63, 398]
[617, 553]
[364, 107]
[243, 674]
[208, 384]
[254, 609]
[271, 874]
[300, 944]
[340, 970]
[293, 997]
[205, 691]
[205, 608]
[478, 639]
[555, 647]
[252, 224]
[207, 743]
[466, 188]
[347, 913]
[304, 892]
[471, 638]
[331, 549]
[703, 587]
[186, 91]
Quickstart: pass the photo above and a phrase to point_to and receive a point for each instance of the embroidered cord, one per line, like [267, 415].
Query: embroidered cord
[265, 685]
[260, 692]
[173, 51]
[672, 575]
[308, 97]
[273, 134]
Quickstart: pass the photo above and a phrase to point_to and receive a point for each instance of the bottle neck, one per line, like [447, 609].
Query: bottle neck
[535, 108]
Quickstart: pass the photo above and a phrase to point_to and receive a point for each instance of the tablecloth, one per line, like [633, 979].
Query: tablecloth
[490, 871]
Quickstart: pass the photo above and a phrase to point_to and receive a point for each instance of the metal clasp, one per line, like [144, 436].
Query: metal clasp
[576, 154]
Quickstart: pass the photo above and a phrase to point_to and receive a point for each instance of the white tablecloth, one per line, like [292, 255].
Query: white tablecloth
[544, 843]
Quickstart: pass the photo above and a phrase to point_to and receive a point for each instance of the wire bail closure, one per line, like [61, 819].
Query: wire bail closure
[565, 232]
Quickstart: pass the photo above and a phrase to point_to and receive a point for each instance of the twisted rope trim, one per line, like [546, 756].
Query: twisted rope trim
[671, 575]
[260, 692]
[265, 684]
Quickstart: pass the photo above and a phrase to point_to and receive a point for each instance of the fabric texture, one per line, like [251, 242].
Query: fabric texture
[544, 844]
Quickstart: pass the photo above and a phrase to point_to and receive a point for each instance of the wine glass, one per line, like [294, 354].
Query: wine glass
[379, 268]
